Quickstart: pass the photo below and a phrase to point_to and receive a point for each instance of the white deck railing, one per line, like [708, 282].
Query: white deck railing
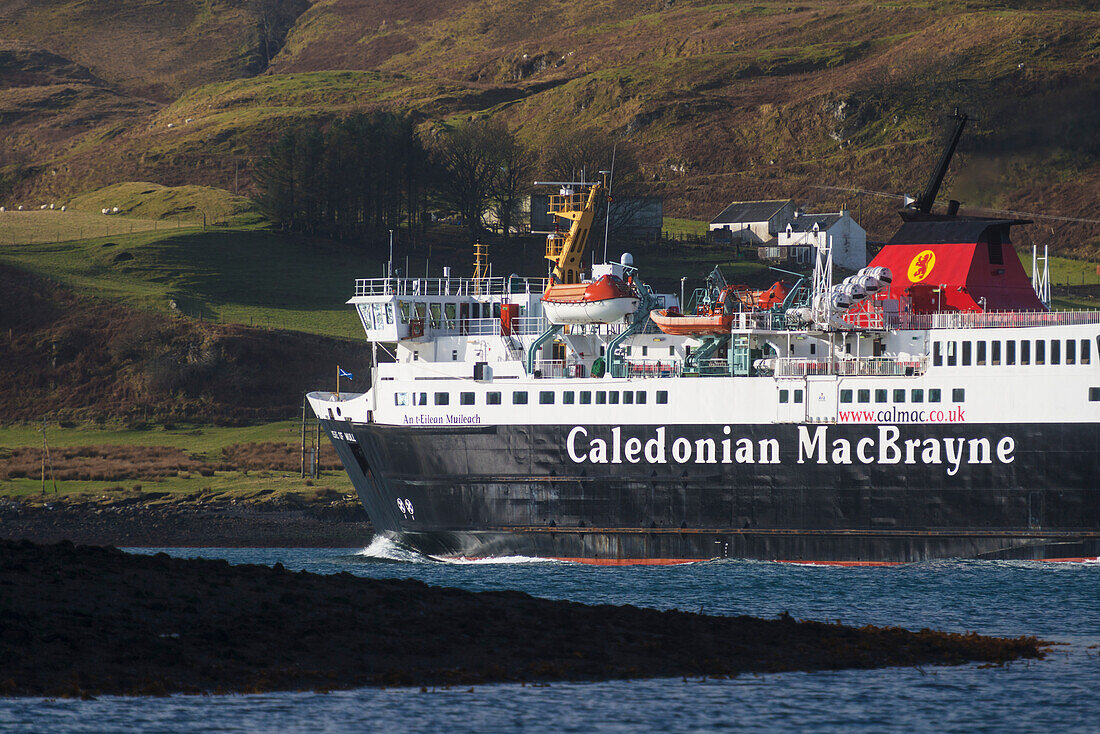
[448, 286]
[995, 319]
[869, 367]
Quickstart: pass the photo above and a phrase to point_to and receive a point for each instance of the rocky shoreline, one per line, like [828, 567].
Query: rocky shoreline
[341, 524]
[88, 621]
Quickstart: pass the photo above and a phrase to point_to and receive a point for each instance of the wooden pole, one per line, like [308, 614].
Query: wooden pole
[304, 400]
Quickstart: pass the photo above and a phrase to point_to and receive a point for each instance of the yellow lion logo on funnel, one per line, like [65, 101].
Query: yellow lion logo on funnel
[921, 266]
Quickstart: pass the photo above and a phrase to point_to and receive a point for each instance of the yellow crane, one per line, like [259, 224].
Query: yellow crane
[566, 250]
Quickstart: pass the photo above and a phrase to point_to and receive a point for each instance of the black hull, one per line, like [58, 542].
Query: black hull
[1023, 491]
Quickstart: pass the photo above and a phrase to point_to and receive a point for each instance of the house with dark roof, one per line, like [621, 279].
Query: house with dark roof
[752, 222]
[804, 233]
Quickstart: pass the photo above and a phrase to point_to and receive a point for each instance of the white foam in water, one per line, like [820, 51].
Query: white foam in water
[384, 549]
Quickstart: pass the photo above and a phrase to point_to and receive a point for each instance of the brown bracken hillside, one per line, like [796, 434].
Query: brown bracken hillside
[723, 100]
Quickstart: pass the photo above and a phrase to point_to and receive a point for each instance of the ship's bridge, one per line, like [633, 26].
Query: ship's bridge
[393, 309]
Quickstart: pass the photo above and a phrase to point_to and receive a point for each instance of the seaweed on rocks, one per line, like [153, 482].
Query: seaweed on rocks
[87, 621]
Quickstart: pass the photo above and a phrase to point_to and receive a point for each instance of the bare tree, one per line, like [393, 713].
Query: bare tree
[515, 168]
[466, 159]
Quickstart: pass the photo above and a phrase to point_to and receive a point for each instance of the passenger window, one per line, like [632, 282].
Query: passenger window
[639, 397]
[916, 395]
[1094, 394]
[1056, 351]
[934, 395]
[798, 396]
[519, 398]
[1040, 351]
[1071, 351]
[613, 397]
[937, 354]
[1085, 346]
[546, 397]
[586, 397]
[958, 395]
[952, 357]
[400, 398]
[423, 399]
[845, 396]
[1025, 351]
[672, 351]
[601, 397]
[880, 396]
[492, 398]
[899, 396]
[466, 398]
[966, 354]
[645, 351]
[863, 396]
[995, 349]
[784, 395]
[567, 397]
[980, 358]
[628, 397]
[442, 398]
[662, 397]
[1010, 352]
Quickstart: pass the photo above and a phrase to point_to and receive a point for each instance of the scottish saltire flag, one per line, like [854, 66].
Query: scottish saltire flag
[345, 373]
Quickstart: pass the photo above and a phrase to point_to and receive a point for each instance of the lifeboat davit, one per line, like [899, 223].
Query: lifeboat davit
[603, 301]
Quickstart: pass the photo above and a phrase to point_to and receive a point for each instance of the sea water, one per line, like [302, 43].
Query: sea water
[1057, 602]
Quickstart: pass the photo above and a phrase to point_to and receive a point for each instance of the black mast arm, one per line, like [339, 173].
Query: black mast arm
[924, 203]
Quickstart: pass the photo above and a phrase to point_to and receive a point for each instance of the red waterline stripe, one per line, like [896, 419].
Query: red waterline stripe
[1086, 559]
[634, 561]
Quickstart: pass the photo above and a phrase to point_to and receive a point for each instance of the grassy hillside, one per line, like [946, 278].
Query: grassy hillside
[245, 276]
[724, 101]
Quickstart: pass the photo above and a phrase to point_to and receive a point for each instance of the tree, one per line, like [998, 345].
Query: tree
[514, 175]
[466, 159]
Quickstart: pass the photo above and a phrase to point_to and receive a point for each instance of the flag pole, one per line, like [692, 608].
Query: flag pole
[337, 382]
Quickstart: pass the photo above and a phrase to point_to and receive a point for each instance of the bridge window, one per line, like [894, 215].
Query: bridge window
[958, 395]
[442, 398]
[1056, 351]
[1010, 352]
[466, 398]
[586, 397]
[845, 396]
[567, 397]
[1071, 351]
[880, 396]
[966, 354]
[403, 309]
[952, 357]
[899, 396]
[1085, 345]
[980, 358]
[937, 354]
[662, 397]
[934, 395]
[916, 395]
[546, 397]
[863, 396]
[995, 352]
[1025, 351]
[519, 397]
[1040, 351]
[492, 398]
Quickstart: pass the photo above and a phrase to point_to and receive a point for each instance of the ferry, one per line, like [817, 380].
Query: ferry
[930, 406]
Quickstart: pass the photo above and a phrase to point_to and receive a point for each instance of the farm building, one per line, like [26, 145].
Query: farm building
[752, 222]
[805, 232]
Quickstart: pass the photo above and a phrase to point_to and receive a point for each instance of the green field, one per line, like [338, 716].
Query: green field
[247, 275]
[206, 441]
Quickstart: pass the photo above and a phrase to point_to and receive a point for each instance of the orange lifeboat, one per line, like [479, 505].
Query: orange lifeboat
[671, 321]
[603, 301]
[716, 318]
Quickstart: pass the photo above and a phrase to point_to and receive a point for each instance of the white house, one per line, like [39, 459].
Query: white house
[805, 232]
[752, 222]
